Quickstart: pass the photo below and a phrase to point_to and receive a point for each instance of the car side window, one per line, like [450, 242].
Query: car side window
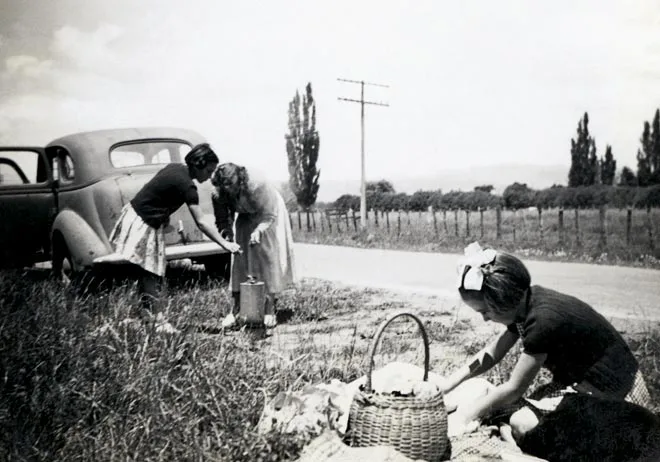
[21, 168]
[9, 175]
[67, 169]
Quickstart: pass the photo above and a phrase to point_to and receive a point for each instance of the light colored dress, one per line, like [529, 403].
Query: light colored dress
[273, 261]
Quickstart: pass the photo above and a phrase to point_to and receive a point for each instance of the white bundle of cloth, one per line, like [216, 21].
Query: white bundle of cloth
[308, 411]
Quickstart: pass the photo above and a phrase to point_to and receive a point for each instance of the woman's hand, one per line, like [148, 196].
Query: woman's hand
[458, 425]
[232, 247]
[255, 237]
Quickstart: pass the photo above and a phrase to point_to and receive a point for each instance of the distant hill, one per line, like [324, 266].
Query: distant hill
[500, 176]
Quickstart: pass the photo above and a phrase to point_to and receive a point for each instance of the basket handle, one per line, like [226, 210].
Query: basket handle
[379, 333]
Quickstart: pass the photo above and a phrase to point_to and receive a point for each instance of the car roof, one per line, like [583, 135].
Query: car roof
[103, 140]
[99, 142]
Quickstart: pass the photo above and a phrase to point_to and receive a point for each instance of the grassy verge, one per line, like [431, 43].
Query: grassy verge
[80, 382]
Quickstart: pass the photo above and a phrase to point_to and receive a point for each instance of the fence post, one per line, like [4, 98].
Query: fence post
[602, 212]
[299, 220]
[387, 220]
[290, 221]
[398, 223]
[481, 223]
[467, 223]
[309, 224]
[408, 215]
[339, 222]
[561, 226]
[444, 220]
[649, 224]
[498, 222]
[321, 221]
[346, 219]
[578, 241]
[628, 225]
[314, 220]
[456, 221]
[435, 223]
[327, 216]
[540, 211]
[354, 221]
[375, 217]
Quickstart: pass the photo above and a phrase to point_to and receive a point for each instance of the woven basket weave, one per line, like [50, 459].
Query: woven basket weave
[415, 427]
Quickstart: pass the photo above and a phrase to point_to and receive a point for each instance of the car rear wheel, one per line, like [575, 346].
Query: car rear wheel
[66, 271]
[63, 265]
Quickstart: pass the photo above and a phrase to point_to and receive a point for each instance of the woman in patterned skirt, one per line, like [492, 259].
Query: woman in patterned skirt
[262, 224]
[138, 234]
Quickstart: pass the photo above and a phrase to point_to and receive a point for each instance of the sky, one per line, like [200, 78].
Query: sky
[470, 83]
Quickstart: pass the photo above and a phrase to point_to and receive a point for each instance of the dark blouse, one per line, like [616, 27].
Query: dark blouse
[580, 343]
[168, 190]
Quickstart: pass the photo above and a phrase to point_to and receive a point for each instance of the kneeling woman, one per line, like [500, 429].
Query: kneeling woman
[582, 350]
[138, 234]
[262, 224]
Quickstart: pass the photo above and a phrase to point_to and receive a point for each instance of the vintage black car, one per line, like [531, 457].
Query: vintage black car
[60, 202]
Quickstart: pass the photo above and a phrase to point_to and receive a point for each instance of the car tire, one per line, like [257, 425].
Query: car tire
[66, 271]
[62, 263]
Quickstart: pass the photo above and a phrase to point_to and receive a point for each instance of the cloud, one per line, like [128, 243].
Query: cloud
[87, 51]
[27, 66]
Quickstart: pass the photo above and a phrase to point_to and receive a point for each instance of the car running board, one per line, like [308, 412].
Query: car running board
[172, 252]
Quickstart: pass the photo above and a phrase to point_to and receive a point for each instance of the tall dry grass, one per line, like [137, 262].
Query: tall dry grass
[84, 380]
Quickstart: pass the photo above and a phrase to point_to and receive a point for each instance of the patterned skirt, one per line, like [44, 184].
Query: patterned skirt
[138, 242]
[546, 398]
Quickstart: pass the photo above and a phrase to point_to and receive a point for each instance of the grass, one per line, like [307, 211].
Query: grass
[78, 382]
[520, 233]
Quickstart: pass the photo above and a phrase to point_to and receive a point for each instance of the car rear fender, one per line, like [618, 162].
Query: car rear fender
[83, 242]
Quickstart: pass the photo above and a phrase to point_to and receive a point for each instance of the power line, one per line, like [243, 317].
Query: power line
[363, 187]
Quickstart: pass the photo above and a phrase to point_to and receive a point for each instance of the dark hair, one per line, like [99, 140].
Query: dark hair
[506, 281]
[200, 156]
[228, 174]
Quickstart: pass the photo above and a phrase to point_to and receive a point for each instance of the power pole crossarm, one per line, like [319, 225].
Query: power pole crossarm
[365, 102]
[363, 182]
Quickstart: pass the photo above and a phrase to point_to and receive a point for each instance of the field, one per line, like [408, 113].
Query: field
[597, 238]
[82, 381]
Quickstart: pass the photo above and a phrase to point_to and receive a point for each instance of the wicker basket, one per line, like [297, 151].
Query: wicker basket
[415, 427]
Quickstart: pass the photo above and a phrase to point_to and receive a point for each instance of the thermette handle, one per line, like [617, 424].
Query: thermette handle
[250, 265]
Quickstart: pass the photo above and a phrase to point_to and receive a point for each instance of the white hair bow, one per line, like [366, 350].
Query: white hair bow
[474, 258]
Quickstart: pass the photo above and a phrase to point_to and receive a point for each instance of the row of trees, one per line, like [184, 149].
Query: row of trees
[590, 179]
[515, 196]
[588, 169]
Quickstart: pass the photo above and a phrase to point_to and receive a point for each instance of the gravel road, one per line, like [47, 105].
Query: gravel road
[615, 291]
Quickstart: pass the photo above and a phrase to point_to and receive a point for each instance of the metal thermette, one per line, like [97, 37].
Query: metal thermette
[253, 296]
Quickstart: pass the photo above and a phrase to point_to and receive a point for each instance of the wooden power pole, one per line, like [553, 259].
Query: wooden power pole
[363, 182]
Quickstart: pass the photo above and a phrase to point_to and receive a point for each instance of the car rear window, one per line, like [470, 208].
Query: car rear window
[148, 153]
